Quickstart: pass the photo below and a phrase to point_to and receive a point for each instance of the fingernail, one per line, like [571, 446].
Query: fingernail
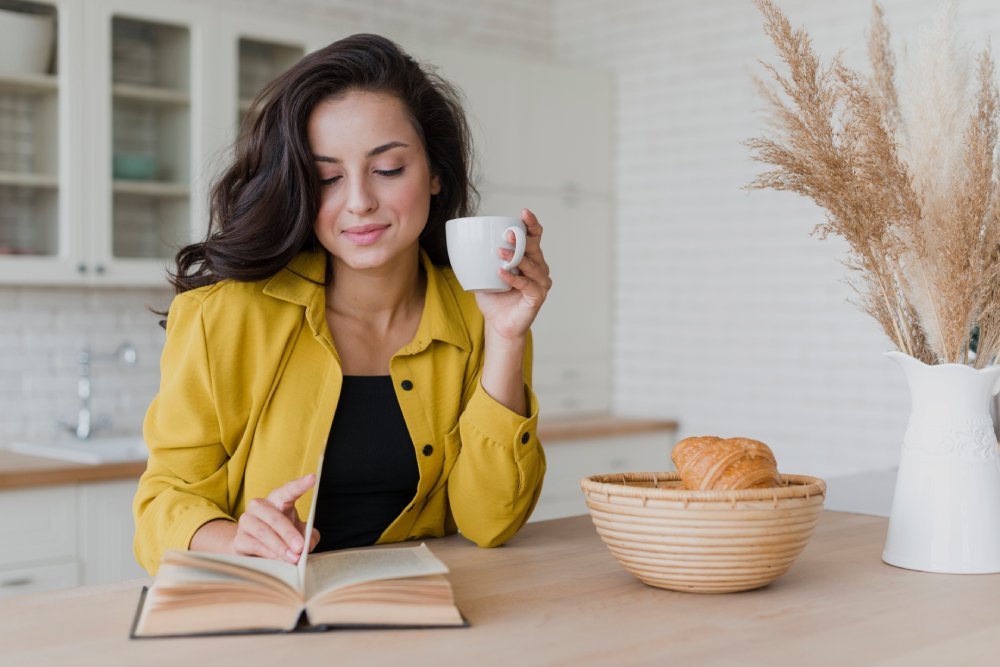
[291, 556]
[297, 544]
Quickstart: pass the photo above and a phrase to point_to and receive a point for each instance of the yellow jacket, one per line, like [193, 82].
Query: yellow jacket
[249, 385]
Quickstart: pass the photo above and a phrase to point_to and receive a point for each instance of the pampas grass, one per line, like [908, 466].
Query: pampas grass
[907, 177]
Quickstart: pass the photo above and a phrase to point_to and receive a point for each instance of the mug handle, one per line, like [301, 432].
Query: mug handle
[520, 242]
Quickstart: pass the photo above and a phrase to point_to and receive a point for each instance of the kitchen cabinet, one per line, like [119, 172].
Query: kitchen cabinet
[123, 133]
[66, 535]
[116, 183]
[40, 109]
[542, 134]
[572, 333]
[537, 127]
[106, 532]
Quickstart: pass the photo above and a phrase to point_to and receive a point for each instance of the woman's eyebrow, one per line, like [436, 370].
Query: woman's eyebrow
[372, 153]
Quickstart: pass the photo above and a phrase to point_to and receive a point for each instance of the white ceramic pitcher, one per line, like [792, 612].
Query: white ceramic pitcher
[946, 507]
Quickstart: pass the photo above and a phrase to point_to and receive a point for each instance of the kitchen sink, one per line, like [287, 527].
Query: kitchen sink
[94, 451]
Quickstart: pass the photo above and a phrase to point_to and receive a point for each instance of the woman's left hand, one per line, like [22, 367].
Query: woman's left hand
[510, 314]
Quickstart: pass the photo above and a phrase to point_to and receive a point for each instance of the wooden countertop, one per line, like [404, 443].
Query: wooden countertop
[599, 426]
[554, 595]
[21, 471]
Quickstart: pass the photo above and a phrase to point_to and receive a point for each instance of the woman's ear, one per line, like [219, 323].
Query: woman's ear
[435, 185]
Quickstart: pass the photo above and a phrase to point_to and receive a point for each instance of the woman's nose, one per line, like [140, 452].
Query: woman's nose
[361, 199]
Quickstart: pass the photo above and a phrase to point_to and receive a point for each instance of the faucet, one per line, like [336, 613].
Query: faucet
[85, 426]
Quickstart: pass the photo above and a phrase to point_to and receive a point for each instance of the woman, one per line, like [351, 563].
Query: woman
[320, 316]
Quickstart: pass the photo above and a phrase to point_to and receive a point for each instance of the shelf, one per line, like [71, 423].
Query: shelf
[38, 83]
[28, 180]
[600, 426]
[155, 94]
[151, 188]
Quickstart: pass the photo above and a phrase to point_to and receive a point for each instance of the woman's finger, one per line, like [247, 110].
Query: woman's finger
[314, 540]
[246, 544]
[254, 529]
[532, 226]
[536, 266]
[524, 285]
[284, 496]
[283, 527]
[533, 233]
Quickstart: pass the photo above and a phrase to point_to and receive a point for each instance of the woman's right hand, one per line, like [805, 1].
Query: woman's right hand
[270, 527]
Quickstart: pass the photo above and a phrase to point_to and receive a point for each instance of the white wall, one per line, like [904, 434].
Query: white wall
[729, 316]
[42, 329]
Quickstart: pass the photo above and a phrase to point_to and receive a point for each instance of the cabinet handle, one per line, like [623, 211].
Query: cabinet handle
[81, 268]
[99, 269]
[20, 581]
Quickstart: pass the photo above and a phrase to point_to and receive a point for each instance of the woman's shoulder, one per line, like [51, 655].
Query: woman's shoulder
[228, 303]
[223, 292]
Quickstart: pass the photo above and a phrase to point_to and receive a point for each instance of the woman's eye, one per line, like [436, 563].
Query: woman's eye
[329, 181]
[389, 172]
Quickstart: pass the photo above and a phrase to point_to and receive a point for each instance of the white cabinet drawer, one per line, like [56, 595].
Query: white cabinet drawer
[37, 524]
[20, 581]
[107, 530]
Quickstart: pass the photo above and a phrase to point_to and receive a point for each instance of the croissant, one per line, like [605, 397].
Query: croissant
[708, 462]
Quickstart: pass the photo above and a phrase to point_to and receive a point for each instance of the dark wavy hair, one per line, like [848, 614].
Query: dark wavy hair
[265, 203]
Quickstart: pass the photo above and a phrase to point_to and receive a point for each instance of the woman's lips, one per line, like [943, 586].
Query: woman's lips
[366, 234]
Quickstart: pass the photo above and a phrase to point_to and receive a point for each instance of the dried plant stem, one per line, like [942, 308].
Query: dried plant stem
[933, 307]
[909, 181]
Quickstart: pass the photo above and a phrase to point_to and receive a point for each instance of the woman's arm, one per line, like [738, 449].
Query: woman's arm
[183, 497]
[497, 477]
[185, 484]
[508, 317]
[503, 374]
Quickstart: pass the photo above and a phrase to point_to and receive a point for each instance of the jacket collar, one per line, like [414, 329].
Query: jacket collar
[302, 282]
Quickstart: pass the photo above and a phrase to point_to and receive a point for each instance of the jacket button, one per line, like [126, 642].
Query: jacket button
[525, 438]
[406, 385]
[428, 450]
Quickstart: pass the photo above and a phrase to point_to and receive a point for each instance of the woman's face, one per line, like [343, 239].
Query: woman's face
[375, 180]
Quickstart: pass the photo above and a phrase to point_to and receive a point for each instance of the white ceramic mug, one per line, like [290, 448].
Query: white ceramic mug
[472, 249]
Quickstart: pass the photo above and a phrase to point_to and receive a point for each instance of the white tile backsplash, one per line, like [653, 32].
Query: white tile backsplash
[42, 330]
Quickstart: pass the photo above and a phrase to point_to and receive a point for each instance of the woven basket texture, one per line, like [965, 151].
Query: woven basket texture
[703, 541]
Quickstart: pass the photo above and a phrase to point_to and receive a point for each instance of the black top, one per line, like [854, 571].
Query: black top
[370, 470]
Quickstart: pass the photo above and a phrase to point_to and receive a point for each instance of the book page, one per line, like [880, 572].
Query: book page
[276, 569]
[304, 557]
[336, 569]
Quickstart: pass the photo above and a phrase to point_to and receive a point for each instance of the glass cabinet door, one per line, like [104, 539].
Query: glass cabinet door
[151, 138]
[29, 131]
[259, 63]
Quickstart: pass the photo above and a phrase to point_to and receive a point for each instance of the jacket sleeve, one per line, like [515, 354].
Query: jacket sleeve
[185, 483]
[497, 476]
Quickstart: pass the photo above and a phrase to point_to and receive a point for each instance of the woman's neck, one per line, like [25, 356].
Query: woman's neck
[377, 298]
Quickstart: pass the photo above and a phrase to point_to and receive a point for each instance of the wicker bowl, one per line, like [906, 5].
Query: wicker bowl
[703, 541]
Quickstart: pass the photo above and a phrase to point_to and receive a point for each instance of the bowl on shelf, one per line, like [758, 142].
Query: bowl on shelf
[134, 167]
[703, 541]
[27, 44]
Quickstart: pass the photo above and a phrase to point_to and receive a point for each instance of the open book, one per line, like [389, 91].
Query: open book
[197, 593]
